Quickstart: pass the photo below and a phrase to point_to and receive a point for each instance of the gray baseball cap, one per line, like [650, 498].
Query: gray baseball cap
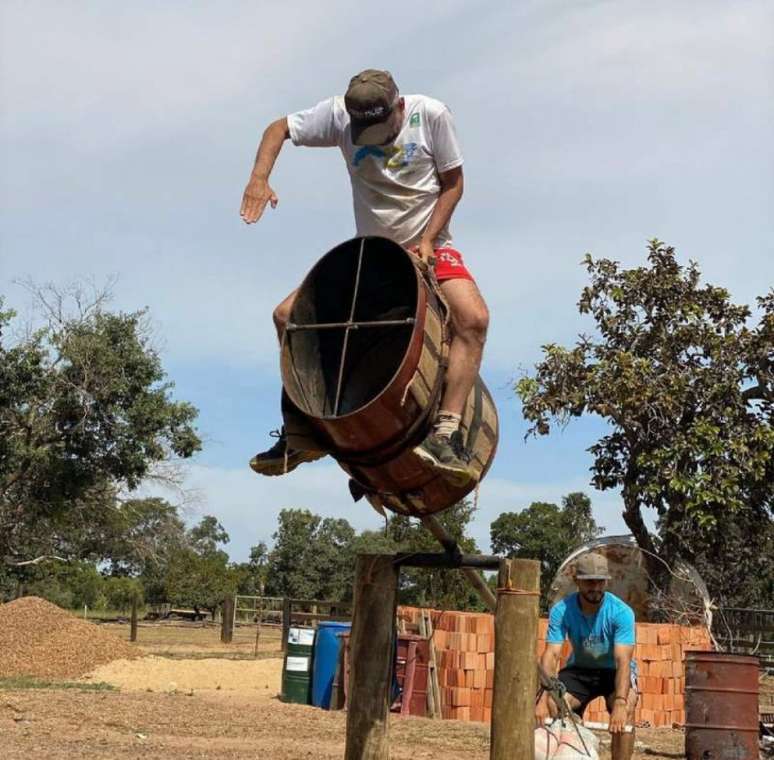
[371, 99]
[592, 567]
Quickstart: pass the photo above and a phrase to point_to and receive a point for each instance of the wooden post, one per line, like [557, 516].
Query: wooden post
[423, 633]
[227, 626]
[371, 657]
[432, 672]
[515, 677]
[286, 611]
[133, 623]
[258, 615]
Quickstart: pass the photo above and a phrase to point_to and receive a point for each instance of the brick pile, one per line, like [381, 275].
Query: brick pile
[464, 650]
[464, 643]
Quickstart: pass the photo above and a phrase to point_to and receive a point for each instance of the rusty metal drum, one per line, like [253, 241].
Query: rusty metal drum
[721, 703]
[363, 363]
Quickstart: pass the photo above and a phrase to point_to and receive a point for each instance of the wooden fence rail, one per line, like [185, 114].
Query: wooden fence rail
[307, 611]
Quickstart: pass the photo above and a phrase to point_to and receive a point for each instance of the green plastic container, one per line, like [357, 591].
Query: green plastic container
[297, 668]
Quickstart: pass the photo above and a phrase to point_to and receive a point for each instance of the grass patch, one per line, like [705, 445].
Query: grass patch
[28, 682]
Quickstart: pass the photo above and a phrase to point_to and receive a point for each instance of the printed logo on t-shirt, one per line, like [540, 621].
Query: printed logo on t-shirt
[595, 645]
[394, 156]
[414, 120]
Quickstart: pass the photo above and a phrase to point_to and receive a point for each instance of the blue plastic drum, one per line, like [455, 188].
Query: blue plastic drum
[326, 660]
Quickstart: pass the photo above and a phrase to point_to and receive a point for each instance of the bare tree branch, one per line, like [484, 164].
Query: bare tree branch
[35, 561]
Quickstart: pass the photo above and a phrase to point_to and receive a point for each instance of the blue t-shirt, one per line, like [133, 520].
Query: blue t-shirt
[592, 636]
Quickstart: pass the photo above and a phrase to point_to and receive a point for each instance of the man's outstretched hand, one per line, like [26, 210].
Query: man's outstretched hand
[257, 194]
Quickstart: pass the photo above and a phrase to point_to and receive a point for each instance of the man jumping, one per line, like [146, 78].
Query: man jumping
[405, 167]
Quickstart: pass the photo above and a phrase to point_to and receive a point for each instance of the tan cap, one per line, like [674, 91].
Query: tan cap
[592, 567]
[370, 101]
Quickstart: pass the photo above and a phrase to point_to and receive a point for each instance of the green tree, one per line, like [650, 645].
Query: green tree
[198, 574]
[312, 558]
[200, 581]
[545, 532]
[207, 535]
[68, 584]
[122, 592]
[686, 385]
[254, 572]
[579, 523]
[334, 559]
[143, 533]
[374, 542]
[292, 568]
[85, 412]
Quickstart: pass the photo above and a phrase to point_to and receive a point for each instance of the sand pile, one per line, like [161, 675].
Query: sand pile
[39, 639]
[261, 678]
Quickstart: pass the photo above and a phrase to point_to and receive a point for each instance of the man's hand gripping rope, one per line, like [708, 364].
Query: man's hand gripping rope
[557, 692]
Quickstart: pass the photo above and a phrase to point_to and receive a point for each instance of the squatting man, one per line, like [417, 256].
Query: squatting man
[405, 168]
[601, 632]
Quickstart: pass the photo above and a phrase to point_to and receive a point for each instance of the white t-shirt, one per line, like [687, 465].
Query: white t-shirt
[394, 186]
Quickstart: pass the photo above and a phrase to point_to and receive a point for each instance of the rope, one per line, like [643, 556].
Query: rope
[508, 587]
[558, 692]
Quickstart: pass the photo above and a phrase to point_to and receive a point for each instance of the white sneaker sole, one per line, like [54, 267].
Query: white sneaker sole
[454, 475]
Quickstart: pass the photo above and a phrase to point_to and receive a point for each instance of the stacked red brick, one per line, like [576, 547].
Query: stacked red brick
[464, 650]
[464, 644]
[659, 652]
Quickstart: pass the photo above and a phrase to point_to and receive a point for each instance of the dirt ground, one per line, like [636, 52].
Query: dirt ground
[190, 700]
[73, 724]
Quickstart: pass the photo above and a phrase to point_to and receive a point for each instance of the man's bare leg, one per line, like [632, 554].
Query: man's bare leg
[470, 320]
[443, 448]
[281, 313]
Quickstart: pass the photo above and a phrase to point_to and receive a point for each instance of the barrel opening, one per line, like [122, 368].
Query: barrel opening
[337, 370]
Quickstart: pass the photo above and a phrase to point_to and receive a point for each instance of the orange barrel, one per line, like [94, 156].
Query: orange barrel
[721, 704]
[363, 363]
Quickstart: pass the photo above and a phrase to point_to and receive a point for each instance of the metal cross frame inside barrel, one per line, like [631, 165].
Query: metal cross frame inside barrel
[350, 325]
[371, 647]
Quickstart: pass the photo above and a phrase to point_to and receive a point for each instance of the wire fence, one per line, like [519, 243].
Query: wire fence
[746, 631]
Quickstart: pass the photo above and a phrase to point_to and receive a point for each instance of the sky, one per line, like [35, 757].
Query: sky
[128, 131]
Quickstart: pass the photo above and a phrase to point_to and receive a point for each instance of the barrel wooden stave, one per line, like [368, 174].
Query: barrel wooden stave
[409, 485]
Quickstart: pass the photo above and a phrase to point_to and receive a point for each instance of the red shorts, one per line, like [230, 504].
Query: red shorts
[449, 265]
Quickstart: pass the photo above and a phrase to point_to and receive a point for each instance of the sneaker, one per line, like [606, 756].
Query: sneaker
[280, 458]
[447, 455]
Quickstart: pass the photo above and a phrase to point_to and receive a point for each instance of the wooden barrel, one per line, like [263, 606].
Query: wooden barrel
[721, 704]
[363, 364]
